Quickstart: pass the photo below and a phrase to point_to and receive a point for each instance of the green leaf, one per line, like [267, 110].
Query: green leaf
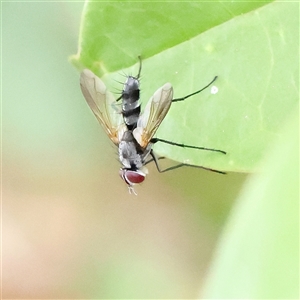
[252, 49]
[115, 33]
[258, 256]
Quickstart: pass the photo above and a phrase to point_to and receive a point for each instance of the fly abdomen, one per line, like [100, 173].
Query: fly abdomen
[131, 106]
[131, 116]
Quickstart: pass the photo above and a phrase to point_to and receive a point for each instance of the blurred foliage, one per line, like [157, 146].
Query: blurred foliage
[260, 246]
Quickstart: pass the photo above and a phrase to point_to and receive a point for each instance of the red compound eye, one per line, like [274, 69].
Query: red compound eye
[132, 177]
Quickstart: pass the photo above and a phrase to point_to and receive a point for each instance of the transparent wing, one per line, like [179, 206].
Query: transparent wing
[101, 102]
[154, 112]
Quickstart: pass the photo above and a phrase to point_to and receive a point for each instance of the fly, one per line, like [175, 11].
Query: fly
[130, 130]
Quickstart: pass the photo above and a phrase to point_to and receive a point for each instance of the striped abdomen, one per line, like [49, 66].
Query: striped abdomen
[131, 107]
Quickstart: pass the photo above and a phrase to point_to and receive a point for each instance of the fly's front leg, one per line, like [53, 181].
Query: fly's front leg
[155, 159]
[152, 159]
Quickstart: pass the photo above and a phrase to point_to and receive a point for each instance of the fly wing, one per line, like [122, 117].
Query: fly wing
[101, 102]
[154, 112]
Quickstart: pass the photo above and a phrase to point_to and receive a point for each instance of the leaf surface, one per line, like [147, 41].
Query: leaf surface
[252, 48]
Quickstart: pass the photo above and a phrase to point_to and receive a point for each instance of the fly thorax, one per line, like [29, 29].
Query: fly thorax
[129, 154]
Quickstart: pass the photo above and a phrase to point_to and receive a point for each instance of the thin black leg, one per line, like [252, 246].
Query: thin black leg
[151, 159]
[155, 140]
[185, 97]
[155, 159]
[140, 68]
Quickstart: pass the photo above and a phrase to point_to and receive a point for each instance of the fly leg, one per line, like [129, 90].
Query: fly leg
[152, 159]
[140, 67]
[155, 140]
[155, 159]
[197, 92]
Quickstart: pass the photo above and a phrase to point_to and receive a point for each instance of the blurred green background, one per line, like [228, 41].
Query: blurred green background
[70, 228]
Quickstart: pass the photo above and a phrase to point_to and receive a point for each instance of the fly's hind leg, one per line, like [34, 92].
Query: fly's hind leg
[197, 92]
